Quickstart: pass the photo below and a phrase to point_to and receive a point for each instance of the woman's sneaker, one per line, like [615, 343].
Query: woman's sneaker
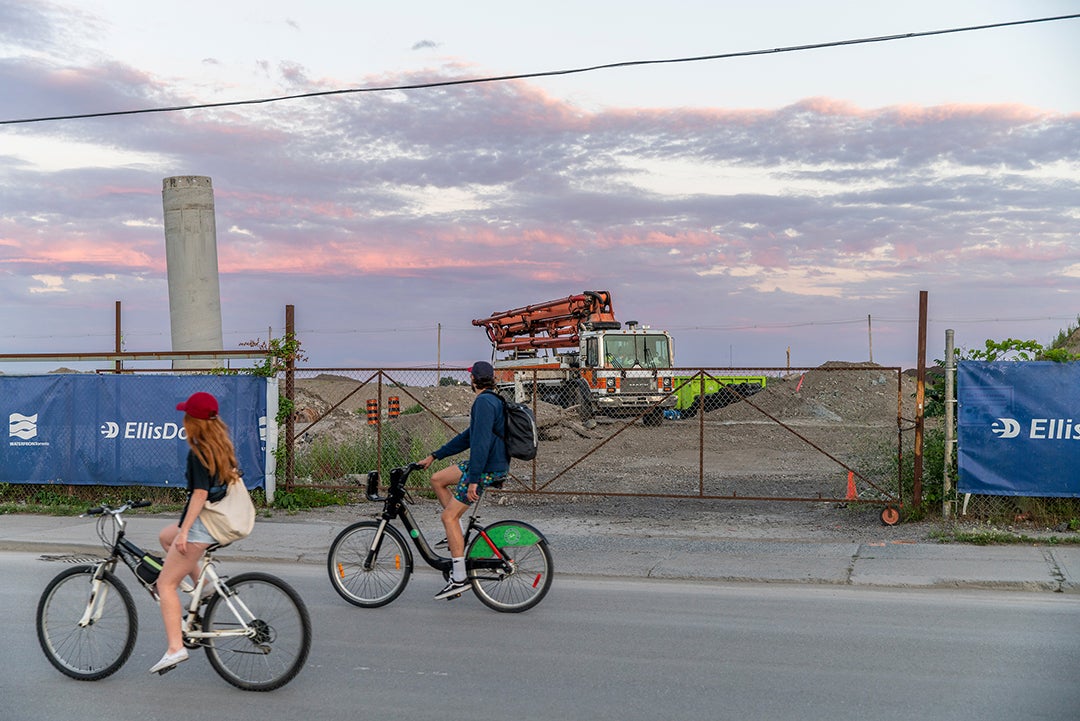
[452, 589]
[169, 661]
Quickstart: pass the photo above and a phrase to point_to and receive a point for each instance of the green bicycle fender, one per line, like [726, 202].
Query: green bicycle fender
[505, 533]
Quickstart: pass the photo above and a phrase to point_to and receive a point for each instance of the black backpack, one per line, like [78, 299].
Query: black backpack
[519, 430]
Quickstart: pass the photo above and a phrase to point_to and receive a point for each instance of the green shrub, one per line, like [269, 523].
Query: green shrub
[301, 497]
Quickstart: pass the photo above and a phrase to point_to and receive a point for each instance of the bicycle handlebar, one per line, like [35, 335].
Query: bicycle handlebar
[104, 508]
[398, 476]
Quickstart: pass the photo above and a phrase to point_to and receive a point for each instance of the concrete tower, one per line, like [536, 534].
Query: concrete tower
[191, 259]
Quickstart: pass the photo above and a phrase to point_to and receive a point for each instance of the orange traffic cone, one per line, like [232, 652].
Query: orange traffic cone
[852, 494]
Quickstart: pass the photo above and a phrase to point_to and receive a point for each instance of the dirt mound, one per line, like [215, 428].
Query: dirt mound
[1072, 343]
[834, 392]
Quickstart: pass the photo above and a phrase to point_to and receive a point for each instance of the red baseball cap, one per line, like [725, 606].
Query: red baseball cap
[200, 405]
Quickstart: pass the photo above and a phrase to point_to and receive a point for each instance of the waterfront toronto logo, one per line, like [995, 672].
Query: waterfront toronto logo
[20, 426]
[23, 428]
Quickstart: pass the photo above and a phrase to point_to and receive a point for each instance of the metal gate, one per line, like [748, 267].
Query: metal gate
[833, 433]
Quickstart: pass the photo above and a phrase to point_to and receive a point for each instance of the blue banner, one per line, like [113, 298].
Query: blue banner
[1018, 428]
[118, 430]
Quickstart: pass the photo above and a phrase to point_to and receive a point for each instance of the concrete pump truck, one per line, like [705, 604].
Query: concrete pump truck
[572, 352]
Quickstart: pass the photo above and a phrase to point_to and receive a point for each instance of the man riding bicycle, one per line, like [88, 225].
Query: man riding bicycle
[457, 487]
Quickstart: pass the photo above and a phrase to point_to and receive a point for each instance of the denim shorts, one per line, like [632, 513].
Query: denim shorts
[199, 534]
[461, 491]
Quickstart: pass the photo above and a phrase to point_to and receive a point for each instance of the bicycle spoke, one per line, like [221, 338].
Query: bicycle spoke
[385, 578]
[278, 640]
[100, 647]
[528, 578]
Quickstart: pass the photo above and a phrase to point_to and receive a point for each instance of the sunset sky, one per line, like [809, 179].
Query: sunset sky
[749, 205]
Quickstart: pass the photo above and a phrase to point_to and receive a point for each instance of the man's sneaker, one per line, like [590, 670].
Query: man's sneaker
[169, 661]
[452, 589]
[443, 543]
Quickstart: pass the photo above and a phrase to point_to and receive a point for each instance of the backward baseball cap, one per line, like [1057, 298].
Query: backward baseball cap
[481, 370]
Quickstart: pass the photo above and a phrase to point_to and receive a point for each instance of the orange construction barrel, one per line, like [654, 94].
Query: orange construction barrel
[372, 412]
[394, 407]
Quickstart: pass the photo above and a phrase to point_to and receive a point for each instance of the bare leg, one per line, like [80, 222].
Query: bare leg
[166, 538]
[451, 520]
[443, 481]
[177, 565]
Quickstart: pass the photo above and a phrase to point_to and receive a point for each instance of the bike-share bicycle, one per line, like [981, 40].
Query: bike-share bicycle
[508, 563]
[254, 627]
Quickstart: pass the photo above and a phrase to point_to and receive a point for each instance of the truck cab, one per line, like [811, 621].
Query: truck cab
[572, 352]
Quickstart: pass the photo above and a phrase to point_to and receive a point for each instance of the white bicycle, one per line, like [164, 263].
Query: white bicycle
[254, 627]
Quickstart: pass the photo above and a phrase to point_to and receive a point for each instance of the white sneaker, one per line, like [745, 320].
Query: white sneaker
[453, 589]
[169, 661]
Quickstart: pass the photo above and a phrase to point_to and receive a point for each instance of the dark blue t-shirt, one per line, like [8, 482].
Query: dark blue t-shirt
[483, 438]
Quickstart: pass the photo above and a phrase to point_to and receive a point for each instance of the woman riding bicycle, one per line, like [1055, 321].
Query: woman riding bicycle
[211, 461]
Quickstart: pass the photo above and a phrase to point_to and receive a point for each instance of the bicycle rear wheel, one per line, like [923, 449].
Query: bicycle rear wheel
[98, 649]
[526, 577]
[375, 586]
[282, 632]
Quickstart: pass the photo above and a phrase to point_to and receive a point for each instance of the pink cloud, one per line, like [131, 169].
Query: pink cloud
[73, 253]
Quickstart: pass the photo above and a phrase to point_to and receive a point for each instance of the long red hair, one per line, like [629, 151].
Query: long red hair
[210, 442]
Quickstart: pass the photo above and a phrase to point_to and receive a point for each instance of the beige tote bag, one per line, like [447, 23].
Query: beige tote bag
[231, 518]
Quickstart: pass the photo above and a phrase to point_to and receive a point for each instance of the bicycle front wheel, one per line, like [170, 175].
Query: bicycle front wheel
[103, 641]
[387, 575]
[523, 577]
[277, 647]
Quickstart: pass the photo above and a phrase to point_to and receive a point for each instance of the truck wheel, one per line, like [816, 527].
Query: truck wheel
[653, 418]
[584, 400]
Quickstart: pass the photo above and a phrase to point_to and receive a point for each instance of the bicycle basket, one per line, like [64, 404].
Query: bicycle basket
[148, 568]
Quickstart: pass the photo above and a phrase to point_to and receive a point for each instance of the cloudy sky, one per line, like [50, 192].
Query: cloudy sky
[749, 205]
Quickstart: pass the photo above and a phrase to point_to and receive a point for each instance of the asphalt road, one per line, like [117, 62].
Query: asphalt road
[598, 649]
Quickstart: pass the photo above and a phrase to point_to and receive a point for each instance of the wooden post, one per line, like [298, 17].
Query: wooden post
[920, 393]
[119, 339]
[290, 395]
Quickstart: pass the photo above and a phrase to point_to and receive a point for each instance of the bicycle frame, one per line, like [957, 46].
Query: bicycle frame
[126, 551]
[395, 505]
[208, 574]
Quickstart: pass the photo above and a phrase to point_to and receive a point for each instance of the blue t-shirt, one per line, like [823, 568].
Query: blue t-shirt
[483, 438]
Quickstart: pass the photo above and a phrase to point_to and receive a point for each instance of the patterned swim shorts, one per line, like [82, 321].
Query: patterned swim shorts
[461, 491]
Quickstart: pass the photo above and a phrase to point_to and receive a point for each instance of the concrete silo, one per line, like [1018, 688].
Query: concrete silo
[192, 263]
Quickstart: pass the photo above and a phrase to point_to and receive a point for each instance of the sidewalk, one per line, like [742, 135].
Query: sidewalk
[617, 550]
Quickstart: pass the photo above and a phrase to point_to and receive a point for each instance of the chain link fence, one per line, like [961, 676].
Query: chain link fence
[830, 433]
[839, 432]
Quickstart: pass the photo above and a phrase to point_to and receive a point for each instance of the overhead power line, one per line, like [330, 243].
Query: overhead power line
[543, 74]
